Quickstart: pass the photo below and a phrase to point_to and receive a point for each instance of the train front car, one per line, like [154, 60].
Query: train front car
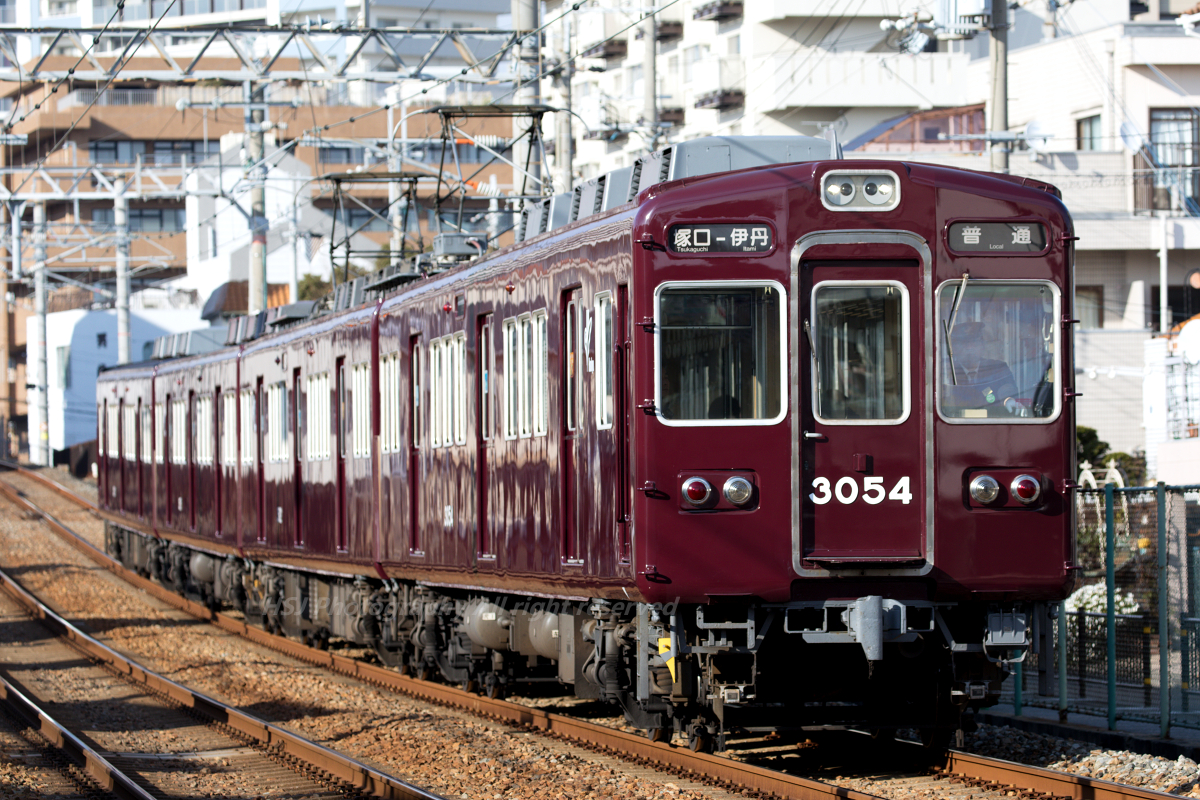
[854, 445]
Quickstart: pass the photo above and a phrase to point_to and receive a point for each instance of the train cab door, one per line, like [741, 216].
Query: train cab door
[485, 550]
[862, 439]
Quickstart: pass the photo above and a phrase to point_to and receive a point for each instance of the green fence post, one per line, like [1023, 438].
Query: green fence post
[1018, 687]
[1110, 584]
[1164, 651]
[1062, 661]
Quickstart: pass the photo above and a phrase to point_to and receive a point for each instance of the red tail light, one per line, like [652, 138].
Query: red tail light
[1026, 488]
[697, 491]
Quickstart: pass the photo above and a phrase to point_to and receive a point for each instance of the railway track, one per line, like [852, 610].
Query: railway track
[962, 775]
[193, 737]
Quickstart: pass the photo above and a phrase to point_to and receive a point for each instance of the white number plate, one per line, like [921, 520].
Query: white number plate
[847, 491]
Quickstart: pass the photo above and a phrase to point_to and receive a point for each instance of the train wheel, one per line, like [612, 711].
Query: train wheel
[424, 673]
[493, 688]
[470, 685]
[659, 734]
[699, 740]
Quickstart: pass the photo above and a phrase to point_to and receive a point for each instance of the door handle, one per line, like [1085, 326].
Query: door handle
[813, 435]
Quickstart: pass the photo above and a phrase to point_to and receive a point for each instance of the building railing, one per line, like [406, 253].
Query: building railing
[81, 98]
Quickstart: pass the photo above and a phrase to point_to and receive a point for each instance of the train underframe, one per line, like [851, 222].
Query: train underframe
[698, 672]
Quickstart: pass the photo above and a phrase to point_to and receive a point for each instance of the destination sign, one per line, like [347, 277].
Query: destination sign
[998, 237]
[737, 238]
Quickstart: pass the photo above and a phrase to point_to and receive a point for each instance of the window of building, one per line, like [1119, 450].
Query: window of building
[1087, 133]
[101, 340]
[997, 346]
[229, 453]
[142, 220]
[720, 354]
[147, 436]
[63, 362]
[360, 219]
[361, 417]
[179, 432]
[604, 350]
[129, 431]
[1089, 306]
[276, 422]
[318, 423]
[332, 154]
[862, 352]
[115, 152]
[204, 430]
[249, 418]
[691, 57]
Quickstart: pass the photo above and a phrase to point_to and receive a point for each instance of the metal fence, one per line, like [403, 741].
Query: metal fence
[1126, 645]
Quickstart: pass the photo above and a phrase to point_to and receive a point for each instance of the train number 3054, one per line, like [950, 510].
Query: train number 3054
[846, 491]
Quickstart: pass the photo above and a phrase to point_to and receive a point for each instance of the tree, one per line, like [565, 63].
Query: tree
[313, 287]
[1089, 447]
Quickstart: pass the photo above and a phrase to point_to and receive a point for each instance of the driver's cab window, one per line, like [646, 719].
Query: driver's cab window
[997, 343]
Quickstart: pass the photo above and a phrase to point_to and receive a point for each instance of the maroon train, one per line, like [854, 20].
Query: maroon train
[775, 447]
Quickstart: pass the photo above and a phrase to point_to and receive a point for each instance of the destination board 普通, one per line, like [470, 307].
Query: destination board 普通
[720, 238]
[998, 237]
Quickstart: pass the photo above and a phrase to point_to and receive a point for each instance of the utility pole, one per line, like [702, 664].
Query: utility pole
[39, 451]
[525, 19]
[999, 53]
[564, 147]
[294, 286]
[650, 74]
[395, 212]
[258, 197]
[121, 223]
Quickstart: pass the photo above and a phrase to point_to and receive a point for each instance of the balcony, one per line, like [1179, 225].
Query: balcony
[841, 80]
[723, 81]
[82, 98]
[609, 49]
[718, 12]
[665, 31]
[674, 116]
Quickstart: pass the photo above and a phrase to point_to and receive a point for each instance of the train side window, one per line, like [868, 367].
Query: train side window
[458, 380]
[112, 413]
[204, 430]
[160, 421]
[485, 381]
[721, 356]
[437, 402]
[528, 357]
[862, 358]
[316, 393]
[512, 379]
[179, 431]
[415, 369]
[569, 381]
[997, 346]
[540, 369]
[229, 429]
[277, 443]
[604, 359]
[389, 403]
[147, 435]
[361, 417]
[249, 433]
[129, 431]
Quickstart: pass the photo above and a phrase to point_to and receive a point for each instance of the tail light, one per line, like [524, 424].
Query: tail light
[1026, 488]
[985, 489]
[697, 491]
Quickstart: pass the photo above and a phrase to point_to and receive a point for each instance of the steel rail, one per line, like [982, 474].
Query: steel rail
[108, 777]
[964, 766]
[352, 772]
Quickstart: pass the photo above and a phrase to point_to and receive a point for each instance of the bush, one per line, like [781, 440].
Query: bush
[1094, 599]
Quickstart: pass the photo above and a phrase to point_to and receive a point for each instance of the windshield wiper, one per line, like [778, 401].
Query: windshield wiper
[949, 326]
[812, 348]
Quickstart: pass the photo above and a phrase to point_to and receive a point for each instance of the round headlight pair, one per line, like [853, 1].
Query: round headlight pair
[1026, 488]
[737, 490]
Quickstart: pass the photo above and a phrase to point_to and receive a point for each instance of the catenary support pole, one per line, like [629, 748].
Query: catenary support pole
[121, 223]
[564, 147]
[1164, 650]
[525, 155]
[1110, 613]
[258, 198]
[999, 104]
[1164, 310]
[39, 444]
[1062, 661]
[650, 74]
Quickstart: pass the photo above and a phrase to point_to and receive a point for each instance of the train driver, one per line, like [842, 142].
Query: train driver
[982, 385]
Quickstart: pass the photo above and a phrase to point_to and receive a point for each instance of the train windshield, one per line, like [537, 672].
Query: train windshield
[997, 344]
[720, 353]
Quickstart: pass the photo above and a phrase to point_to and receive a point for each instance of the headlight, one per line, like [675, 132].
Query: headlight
[984, 489]
[860, 190]
[738, 490]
